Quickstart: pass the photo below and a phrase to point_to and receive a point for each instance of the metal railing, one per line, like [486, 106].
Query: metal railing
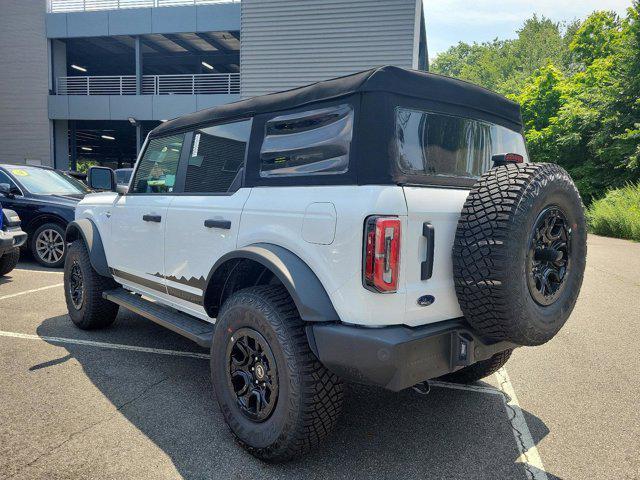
[62, 6]
[206, 83]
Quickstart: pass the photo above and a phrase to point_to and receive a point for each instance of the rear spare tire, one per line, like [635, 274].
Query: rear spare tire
[519, 253]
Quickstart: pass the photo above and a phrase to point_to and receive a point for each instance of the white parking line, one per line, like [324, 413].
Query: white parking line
[31, 291]
[28, 270]
[115, 346]
[529, 455]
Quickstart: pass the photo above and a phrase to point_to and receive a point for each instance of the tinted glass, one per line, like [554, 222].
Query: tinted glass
[444, 145]
[216, 158]
[308, 143]
[157, 170]
[4, 178]
[42, 181]
[123, 175]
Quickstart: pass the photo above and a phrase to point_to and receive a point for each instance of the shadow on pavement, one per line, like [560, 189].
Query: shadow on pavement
[447, 434]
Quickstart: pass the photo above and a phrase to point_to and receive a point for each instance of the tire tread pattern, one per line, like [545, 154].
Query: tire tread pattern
[9, 260]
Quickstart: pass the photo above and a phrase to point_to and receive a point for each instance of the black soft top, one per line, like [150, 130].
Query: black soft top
[458, 94]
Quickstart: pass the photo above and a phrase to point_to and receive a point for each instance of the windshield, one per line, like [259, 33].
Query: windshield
[41, 181]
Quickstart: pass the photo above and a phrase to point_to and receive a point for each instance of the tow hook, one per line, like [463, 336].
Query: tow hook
[423, 388]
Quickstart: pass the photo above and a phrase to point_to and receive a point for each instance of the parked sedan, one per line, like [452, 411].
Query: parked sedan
[45, 199]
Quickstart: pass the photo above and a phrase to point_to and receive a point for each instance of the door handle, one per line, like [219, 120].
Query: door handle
[152, 218]
[426, 268]
[223, 224]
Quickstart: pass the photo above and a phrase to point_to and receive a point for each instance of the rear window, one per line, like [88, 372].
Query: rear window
[433, 144]
[314, 142]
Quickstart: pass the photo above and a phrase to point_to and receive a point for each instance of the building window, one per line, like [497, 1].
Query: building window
[315, 142]
[217, 158]
[157, 170]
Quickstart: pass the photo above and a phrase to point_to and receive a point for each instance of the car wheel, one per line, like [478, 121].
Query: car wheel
[9, 260]
[83, 289]
[48, 246]
[519, 253]
[276, 397]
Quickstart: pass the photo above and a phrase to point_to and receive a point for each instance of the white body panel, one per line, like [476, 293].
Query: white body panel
[191, 249]
[323, 225]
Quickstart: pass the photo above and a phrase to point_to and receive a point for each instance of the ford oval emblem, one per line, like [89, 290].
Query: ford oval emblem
[426, 300]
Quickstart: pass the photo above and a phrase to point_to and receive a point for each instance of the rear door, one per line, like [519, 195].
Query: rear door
[449, 153]
[139, 218]
[203, 220]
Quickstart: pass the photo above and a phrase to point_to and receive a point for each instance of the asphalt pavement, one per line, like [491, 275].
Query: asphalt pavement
[135, 401]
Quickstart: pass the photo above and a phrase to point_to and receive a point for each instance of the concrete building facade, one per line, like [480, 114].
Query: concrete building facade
[83, 81]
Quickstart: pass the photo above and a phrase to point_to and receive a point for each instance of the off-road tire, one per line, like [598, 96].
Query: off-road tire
[478, 370]
[33, 247]
[9, 260]
[309, 397]
[491, 247]
[95, 312]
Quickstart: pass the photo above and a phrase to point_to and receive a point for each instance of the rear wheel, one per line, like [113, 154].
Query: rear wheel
[276, 397]
[48, 246]
[83, 288]
[9, 260]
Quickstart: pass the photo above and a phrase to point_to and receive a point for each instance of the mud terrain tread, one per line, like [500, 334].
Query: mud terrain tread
[479, 370]
[97, 312]
[499, 205]
[320, 391]
[9, 260]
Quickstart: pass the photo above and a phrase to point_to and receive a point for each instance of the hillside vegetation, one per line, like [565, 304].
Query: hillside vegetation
[579, 88]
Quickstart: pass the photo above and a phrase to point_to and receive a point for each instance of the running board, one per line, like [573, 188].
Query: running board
[190, 327]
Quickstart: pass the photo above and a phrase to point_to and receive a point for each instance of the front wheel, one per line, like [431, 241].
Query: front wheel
[83, 288]
[9, 260]
[276, 397]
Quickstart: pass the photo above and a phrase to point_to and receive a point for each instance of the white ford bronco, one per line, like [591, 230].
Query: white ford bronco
[384, 228]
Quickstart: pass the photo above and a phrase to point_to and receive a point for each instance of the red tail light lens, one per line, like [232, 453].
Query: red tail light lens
[381, 254]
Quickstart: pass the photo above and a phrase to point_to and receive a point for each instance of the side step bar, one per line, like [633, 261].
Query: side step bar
[192, 328]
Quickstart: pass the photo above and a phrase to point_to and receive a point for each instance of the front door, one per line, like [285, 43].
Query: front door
[203, 221]
[139, 218]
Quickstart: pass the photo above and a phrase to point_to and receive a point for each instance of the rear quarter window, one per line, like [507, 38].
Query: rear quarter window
[437, 145]
[313, 142]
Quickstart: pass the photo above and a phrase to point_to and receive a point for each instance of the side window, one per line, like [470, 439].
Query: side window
[157, 170]
[4, 178]
[217, 158]
[315, 142]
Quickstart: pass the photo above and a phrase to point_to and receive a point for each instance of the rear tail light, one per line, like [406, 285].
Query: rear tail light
[504, 158]
[381, 254]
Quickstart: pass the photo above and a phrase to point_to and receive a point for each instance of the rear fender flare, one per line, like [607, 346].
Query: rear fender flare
[306, 290]
[86, 230]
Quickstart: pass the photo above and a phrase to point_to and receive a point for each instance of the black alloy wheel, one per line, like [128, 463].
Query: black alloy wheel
[252, 374]
[76, 286]
[548, 260]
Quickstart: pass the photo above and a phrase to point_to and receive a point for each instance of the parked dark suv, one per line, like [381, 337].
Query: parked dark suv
[45, 199]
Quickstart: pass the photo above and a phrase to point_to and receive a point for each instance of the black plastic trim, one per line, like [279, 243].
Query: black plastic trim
[426, 268]
[222, 224]
[306, 290]
[398, 357]
[88, 230]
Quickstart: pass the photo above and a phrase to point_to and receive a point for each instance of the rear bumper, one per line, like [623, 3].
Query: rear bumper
[10, 239]
[398, 357]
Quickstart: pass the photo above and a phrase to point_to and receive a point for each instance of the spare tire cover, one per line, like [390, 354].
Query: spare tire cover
[519, 253]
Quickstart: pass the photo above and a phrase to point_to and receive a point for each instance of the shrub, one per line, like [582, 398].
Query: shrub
[617, 214]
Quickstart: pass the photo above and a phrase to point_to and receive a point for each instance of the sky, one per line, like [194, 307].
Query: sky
[451, 21]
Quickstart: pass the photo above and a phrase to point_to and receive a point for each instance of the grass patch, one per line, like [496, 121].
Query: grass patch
[617, 214]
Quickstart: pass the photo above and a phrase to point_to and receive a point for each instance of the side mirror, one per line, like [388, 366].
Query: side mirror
[122, 189]
[102, 178]
[5, 189]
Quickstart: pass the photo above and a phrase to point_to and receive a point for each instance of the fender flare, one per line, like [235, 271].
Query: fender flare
[306, 290]
[88, 231]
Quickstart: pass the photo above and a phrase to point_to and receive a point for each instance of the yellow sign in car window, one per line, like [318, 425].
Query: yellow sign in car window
[20, 173]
